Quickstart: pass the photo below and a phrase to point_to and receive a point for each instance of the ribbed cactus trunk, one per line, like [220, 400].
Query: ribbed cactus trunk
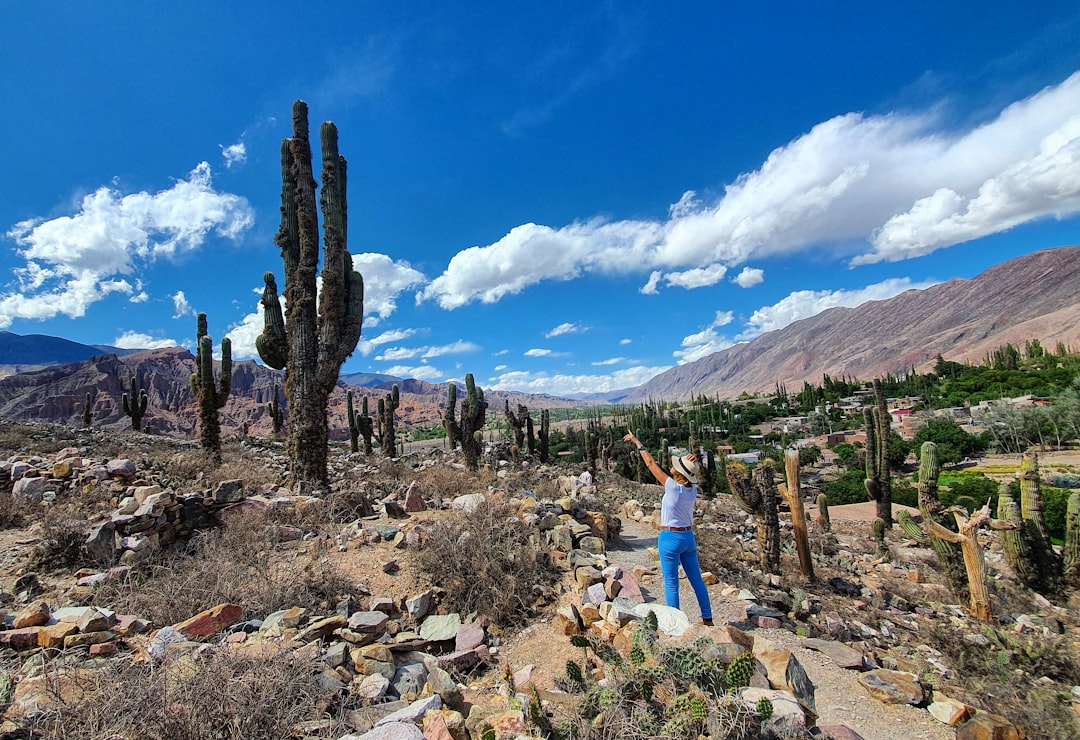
[1013, 543]
[757, 494]
[453, 429]
[273, 408]
[545, 435]
[387, 431]
[1046, 564]
[354, 426]
[473, 416]
[878, 481]
[517, 422]
[366, 425]
[210, 397]
[1072, 541]
[318, 331]
[948, 553]
[88, 410]
[135, 405]
[530, 432]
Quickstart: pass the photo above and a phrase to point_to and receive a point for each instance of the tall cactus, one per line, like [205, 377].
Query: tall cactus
[135, 405]
[453, 429]
[757, 494]
[312, 341]
[545, 435]
[88, 410]
[878, 480]
[387, 433]
[1072, 540]
[473, 416]
[948, 553]
[354, 428]
[1029, 550]
[209, 397]
[366, 425]
[273, 407]
[517, 422]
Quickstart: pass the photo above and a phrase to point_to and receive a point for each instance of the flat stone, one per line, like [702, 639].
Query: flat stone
[987, 726]
[893, 687]
[670, 621]
[390, 731]
[469, 636]
[785, 672]
[841, 654]
[418, 606]
[787, 712]
[440, 627]
[413, 713]
[320, 628]
[369, 622]
[34, 614]
[947, 710]
[838, 732]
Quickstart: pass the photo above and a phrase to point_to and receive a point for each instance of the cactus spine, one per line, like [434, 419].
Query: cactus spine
[948, 553]
[210, 397]
[387, 434]
[135, 405]
[878, 482]
[453, 429]
[757, 494]
[312, 341]
[88, 410]
[473, 416]
[273, 407]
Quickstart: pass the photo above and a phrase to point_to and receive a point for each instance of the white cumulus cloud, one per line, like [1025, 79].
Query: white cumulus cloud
[563, 384]
[420, 372]
[74, 261]
[707, 341]
[749, 277]
[181, 307]
[537, 352]
[878, 187]
[564, 328]
[135, 340]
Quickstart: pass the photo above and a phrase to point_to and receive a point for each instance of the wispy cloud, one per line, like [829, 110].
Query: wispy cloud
[610, 361]
[562, 384]
[841, 186]
[805, 303]
[234, 154]
[566, 328]
[420, 372]
[705, 342]
[537, 352]
[74, 261]
[394, 354]
[181, 307]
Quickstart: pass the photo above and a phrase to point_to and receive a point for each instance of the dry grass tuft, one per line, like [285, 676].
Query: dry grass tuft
[487, 562]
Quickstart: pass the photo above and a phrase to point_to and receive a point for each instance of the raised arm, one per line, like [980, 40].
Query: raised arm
[650, 463]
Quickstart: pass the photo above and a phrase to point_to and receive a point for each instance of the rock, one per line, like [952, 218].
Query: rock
[53, 635]
[670, 621]
[785, 672]
[838, 732]
[414, 498]
[893, 687]
[96, 620]
[229, 491]
[469, 502]
[211, 621]
[320, 629]
[413, 713]
[987, 726]
[21, 638]
[29, 490]
[947, 710]
[444, 724]
[100, 542]
[409, 680]
[469, 636]
[787, 712]
[730, 633]
[372, 622]
[389, 731]
[121, 468]
[841, 654]
[418, 606]
[34, 614]
[440, 627]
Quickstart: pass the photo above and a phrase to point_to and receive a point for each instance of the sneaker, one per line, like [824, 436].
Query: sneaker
[707, 622]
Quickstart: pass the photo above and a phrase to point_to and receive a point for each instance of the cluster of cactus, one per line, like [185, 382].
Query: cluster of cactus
[676, 691]
[321, 328]
[209, 396]
[88, 410]
[273, 408]
[878, 480]
[473, 416]
[1027, 545]
[361, 425]
[135, 404]
[387, 434]
[757, 494]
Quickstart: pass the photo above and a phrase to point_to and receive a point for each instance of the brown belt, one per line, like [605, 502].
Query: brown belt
[675, 529]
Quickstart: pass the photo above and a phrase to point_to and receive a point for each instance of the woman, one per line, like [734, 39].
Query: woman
[676, 541]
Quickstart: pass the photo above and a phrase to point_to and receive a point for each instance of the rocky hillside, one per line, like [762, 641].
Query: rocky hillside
[57, 394]
[1033, 296]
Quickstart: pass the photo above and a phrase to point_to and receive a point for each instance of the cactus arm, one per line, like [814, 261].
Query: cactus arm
[271, 343]
[911, 528]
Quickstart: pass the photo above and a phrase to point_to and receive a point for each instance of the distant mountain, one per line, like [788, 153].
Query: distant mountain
[367, 380]
[22, 352]
[1030, 297]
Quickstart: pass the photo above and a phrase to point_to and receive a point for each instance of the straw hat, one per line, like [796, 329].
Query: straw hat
[688, 466]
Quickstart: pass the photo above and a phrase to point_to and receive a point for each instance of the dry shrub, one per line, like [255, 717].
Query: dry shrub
[446, 482]
[63, 531]
[487, 562]
[213, 694]
[238, 564]
[11, 512]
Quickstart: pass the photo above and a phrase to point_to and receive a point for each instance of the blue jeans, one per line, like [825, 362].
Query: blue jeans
[681, 548]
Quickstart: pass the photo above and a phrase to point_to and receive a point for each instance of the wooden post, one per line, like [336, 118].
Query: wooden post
[793, 494]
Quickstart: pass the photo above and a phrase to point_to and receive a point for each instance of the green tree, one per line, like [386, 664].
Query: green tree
[953, 442]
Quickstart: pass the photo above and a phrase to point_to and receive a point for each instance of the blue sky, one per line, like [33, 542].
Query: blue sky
[556, 197]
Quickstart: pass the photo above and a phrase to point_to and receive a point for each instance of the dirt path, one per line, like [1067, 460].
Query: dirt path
[841, 699]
